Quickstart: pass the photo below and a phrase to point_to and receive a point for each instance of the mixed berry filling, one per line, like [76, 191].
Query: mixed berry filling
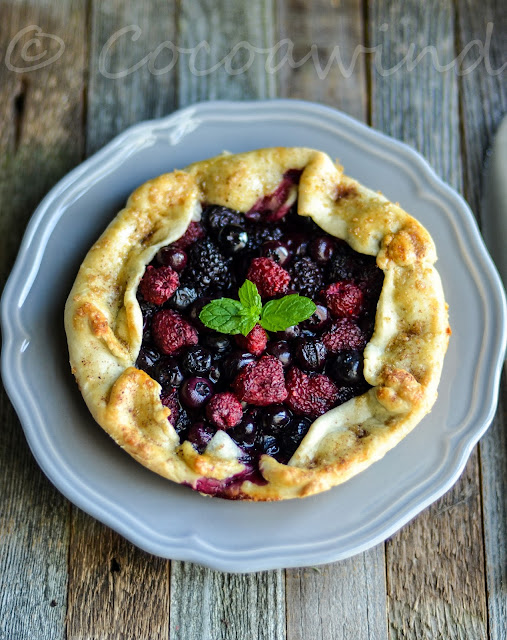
[266, 388]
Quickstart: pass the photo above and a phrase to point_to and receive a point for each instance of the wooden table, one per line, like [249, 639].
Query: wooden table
[73, 75]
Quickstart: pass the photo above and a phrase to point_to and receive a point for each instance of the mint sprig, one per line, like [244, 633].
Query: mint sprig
[226, 315]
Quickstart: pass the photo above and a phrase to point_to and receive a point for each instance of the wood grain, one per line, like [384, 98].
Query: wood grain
[435, 565]
[484, 103]
[339, 601]
[344, 599]
[40, 140]
[330, 37]
[219, 606]
[228, 40]
[129, 52]
[116, 590]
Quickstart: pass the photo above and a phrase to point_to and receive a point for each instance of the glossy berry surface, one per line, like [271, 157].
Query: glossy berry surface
[168, 372]
[277, 250]
[280, 350]
[318, 321]
[195, 392]
[232, 238]
[196, 361]
[311, 354]
[263, 390]
[322, 249]
[174, 258]
[347, 367]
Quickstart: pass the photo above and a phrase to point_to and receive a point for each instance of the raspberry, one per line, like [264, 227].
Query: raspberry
[171, 332]
[169, 399]
[269, 277]
[261, 383]
[193, 233]
[255, 342]
[158, 285]
[306, 276]
[224, 410]
[344, 334]
[344, 299]
[208, 268]
[310, 394]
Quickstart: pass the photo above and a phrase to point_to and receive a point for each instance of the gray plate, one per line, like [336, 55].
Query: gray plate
[172, 521]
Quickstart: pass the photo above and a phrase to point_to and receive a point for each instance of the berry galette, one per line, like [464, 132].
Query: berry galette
[258, 326]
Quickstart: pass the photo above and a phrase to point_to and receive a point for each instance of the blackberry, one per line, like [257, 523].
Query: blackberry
[306, 276]
[258, 235]
[346, 264]
[208, 269]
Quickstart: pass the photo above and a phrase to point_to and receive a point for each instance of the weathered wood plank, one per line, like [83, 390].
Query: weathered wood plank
[131, 78]
[330, 37]
[345, 599]
[40, 140]
[116, 590]
[219, 606]
[225, 43]
[484, 103]
[339, 601]
[435, 565]
[205, 603]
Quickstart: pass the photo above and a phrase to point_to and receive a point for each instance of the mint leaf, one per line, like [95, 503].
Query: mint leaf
[223, 315]
[249, 297]
[249, 320]
[278, 315]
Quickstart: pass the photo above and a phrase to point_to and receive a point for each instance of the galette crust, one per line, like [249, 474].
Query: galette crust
[402, 361]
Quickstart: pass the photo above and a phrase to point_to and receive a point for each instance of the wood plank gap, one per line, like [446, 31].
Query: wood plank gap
[367, 62]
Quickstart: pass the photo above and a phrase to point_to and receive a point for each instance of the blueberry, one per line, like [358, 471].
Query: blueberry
[147, 309]
[275, 418]
[218, 217]
[195, 392]
[174, 258]
[277, 251]
[199, 434]
[196, 361]
[232, 238]
[219, 343]
[322, 249]
[311, 354]
[281, 350]
[183, 423]
[214, 375]
[147, 358]
[319, 320]
[235, 362]
[245, 433]
[290, 333]
[183, 297]
[292, 436]
[268, 444]
[167, 372]
[297, 243]
[346, 367]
